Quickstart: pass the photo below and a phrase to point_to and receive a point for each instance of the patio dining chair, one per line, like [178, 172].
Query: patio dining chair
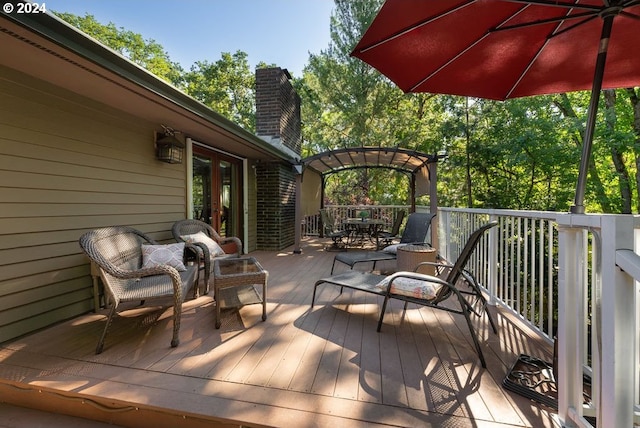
[415, 232]
[209, 243]
[134, 267]
[338, 236]
[386, 237]
[452, 281]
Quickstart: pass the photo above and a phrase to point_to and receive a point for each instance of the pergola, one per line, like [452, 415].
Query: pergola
[420, 168]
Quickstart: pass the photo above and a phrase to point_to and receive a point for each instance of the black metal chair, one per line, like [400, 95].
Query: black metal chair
[415, 232]
[386, 237]
[331, 231]
[433, 291]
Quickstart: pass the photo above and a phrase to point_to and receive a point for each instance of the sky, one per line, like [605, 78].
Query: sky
[280, 32]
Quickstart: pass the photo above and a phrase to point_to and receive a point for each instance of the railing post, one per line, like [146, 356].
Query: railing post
[570, 297]
[492, 280]
[613, 315]
[618, 326]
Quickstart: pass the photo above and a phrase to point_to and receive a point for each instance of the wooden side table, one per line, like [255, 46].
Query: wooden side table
[234, 284]
[410, 255]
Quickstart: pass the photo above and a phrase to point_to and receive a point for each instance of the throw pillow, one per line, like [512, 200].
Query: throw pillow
[201, 237]
[167, 254]
[411, 287]
[393, 249]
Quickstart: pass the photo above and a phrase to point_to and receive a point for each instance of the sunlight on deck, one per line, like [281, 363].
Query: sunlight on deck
[301, 367]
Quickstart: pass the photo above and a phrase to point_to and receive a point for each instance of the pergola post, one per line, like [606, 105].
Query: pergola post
[412, 192]
[298, 215]
[433, 200]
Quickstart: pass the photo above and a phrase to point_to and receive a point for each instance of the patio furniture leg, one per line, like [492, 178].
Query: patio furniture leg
[100, 346]
[333, 265]
[177, 312]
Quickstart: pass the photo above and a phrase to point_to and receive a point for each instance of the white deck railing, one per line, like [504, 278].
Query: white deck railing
[571, 276]
[312, 225]
[574, 276]
[517, 262]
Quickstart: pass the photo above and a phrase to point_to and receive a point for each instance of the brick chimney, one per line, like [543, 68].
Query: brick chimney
[278, 109]
[277, 122]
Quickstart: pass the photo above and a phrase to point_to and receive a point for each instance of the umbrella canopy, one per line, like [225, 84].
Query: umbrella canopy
[500, 49]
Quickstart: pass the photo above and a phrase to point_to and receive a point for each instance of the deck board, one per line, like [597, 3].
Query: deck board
[316, 367]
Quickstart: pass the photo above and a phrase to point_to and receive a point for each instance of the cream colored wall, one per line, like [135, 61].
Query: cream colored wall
[311, 192]
[67, 165]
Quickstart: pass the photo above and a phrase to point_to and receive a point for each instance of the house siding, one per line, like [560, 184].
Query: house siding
[69, 164]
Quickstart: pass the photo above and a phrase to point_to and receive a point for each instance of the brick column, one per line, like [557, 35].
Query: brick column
[278, 108]
[277, 121]
[276, 205]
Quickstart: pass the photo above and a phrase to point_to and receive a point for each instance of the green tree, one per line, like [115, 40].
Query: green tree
[347, 103]
[227, 86]
[147, 53]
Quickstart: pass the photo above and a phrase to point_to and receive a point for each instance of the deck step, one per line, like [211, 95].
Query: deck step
[25, 405]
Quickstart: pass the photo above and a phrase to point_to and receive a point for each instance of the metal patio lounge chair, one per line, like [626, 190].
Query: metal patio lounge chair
[211, 244]
[118, 254]
[415, 232]
[452, 281]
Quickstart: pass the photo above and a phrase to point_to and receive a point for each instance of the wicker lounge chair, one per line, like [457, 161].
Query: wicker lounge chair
[220, 248]
[452, 281]
[415, 232]
[118, 253]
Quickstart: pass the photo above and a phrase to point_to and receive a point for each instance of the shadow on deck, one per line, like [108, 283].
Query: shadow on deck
[303, 368]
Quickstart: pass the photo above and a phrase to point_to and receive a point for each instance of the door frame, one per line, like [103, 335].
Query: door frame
[242, 212]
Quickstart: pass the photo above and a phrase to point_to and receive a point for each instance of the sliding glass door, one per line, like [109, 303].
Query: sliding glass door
[217, 191]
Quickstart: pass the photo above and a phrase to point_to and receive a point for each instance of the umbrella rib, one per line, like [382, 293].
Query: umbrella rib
[545, 21]
[436, 71]
[571, 27]
[558, 4]
[415, 26]
[630, 15]
[551, 35]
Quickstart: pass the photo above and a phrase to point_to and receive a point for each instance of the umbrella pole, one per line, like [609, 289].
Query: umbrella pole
[587, 141]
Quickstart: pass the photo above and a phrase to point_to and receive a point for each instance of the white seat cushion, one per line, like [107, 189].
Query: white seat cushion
[411, 287]
[201, 237]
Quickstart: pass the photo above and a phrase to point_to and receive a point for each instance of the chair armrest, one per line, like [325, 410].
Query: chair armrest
[416, 275]
[440, 267]
[232, 240]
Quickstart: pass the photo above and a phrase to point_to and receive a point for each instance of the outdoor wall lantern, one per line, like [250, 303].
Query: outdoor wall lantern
[168, 148]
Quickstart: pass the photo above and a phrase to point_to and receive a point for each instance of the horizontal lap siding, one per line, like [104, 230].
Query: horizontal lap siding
[67, 165]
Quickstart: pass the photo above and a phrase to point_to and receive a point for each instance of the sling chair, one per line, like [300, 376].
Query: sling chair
[330, 230]
[415, 232]
[387, 237]
[452, 281]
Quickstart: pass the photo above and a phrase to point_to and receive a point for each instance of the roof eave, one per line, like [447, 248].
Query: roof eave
[68, 37]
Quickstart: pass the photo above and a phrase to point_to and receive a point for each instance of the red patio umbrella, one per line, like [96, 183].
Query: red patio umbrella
[500, 49]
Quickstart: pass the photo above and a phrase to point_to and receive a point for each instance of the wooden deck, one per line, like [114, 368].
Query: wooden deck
[301, 368]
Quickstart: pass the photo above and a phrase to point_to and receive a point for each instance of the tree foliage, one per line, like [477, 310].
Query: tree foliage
[518, 154]
[226, 86]
[146, 53]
